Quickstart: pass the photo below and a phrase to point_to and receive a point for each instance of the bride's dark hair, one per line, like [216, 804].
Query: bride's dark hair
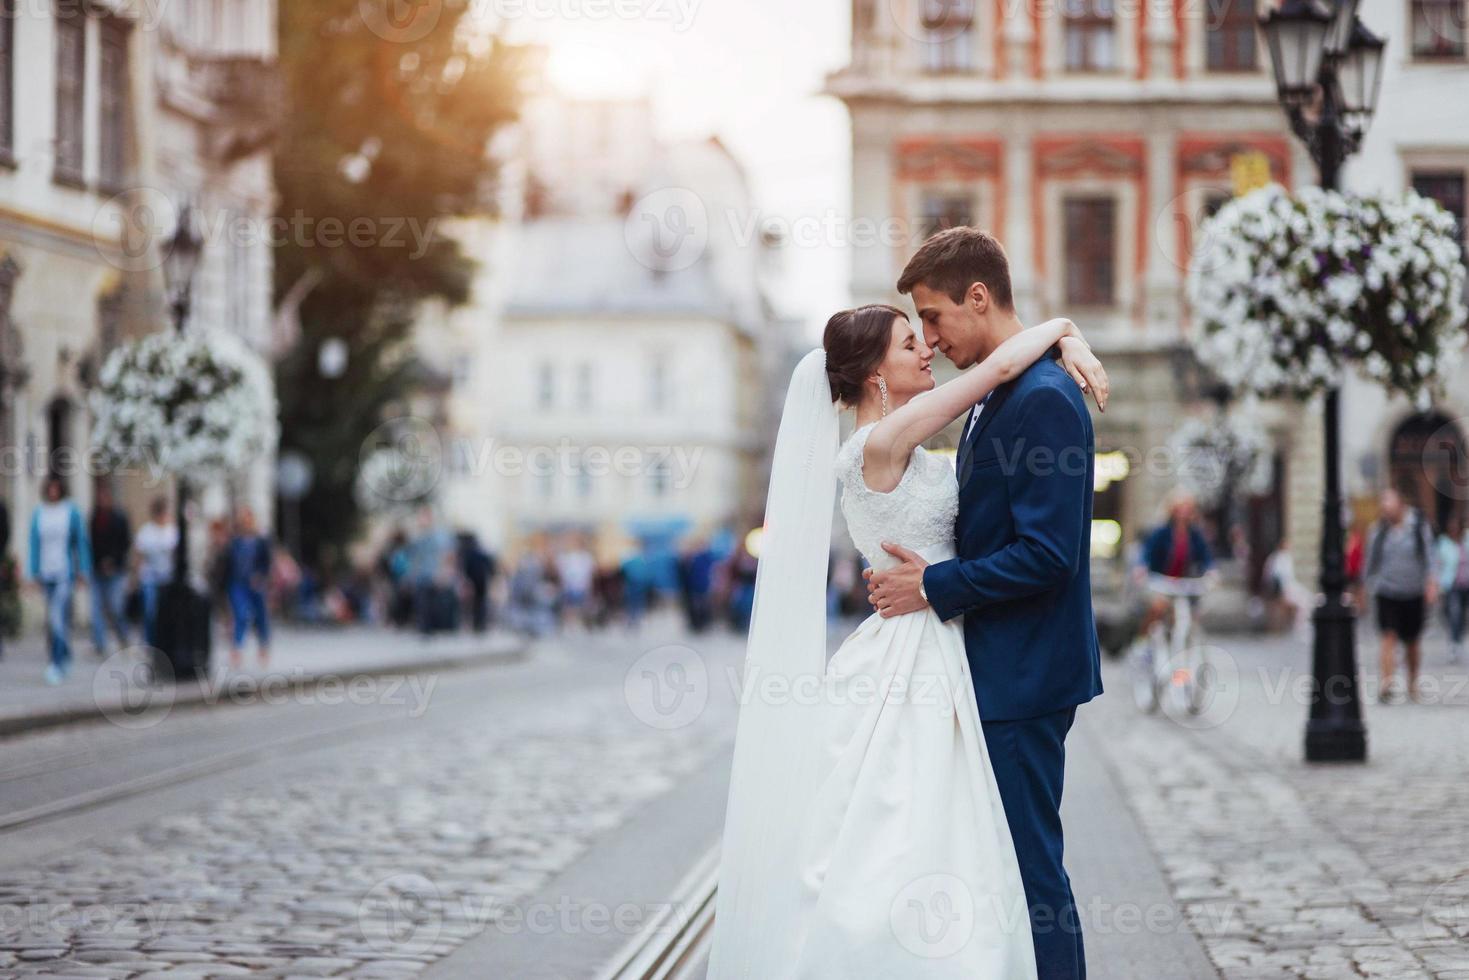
[856, 342]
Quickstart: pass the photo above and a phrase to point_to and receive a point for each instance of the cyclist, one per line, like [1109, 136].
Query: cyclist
[1176, 549]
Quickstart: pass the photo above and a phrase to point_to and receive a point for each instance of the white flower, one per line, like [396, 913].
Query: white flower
[202, 403]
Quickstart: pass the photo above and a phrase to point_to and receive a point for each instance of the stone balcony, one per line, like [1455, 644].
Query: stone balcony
[237, 99]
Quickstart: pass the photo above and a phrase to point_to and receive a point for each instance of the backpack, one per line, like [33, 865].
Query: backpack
[1375, 559]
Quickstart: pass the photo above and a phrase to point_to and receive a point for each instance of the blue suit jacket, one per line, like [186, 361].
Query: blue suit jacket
[1022, 578]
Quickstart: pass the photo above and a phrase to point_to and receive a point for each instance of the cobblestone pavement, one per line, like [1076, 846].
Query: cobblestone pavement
[1290, 870]
[392, 855]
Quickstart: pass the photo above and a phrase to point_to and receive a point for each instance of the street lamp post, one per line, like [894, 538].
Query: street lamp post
[1327, 69]
[179, 634]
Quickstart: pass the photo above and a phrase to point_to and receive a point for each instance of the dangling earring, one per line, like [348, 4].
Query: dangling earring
[882, 386]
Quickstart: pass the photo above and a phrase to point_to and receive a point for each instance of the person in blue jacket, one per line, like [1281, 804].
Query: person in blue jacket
[60, 560]
[1175, 549]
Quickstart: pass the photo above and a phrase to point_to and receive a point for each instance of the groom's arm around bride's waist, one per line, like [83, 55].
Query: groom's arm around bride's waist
[1047, 494]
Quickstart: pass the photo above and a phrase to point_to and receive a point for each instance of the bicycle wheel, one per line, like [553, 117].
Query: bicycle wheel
[1197, 674]
[1144, 675]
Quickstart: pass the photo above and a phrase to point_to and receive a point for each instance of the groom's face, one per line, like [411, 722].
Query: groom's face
[955, 330]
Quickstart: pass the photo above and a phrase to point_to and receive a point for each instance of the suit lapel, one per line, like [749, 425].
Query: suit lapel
[996, 402]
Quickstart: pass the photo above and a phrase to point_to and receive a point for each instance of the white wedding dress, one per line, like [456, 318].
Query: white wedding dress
[905, 857]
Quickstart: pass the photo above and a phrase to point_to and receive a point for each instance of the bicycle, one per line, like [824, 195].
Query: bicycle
[1177, 660]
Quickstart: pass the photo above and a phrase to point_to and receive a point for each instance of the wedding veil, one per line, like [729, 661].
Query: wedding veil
[776, 751]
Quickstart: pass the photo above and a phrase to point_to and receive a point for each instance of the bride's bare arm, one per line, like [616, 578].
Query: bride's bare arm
[894, 438]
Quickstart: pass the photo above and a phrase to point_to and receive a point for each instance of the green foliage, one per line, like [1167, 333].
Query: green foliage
[385, 134]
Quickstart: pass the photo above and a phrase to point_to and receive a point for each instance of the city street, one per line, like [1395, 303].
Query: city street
[530, 819]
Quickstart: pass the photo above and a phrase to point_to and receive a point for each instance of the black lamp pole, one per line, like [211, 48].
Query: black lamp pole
[182, 622]
[1314, 50]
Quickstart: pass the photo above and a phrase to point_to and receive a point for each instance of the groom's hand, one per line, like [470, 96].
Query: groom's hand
[896, 591]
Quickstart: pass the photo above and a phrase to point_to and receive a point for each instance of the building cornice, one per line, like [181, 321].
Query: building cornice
[1080, 90]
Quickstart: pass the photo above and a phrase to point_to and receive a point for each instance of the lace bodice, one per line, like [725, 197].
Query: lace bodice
[918, 513]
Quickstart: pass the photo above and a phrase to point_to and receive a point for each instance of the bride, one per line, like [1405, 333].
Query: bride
[864, 834]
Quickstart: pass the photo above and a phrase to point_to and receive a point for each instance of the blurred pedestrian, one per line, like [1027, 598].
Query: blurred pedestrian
[60, 562]
[246, 585]
[1453, 581]
[637, 587]
[1175, 549]
[112, 542]
[392, 566]
[532, 602]
[607, 592]
[478, 568]
[1356, 561]
[1401, 575]
[740, 586]
[217, 573]
[696, 584]
[1286, 591]
[575, 570]
[154, 546]
[430, 554]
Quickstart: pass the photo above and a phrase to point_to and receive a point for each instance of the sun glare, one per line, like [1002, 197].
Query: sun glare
[586, 70]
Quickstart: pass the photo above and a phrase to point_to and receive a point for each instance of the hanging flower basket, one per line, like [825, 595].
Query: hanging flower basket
[200, 404]
[1290, 291]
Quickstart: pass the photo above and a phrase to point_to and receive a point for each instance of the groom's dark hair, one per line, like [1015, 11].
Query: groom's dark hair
[956, 257]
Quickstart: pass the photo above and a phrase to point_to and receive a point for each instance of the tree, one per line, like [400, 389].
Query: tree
[385, 133]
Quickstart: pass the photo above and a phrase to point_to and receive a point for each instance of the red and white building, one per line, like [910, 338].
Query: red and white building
[1091, 137]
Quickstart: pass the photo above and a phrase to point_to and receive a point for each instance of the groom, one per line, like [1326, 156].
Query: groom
[1021, 579]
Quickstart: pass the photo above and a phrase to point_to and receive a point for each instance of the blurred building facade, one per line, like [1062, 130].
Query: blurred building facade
[1092, 139]
[1388, 441]
[110, 121]
[603, 380]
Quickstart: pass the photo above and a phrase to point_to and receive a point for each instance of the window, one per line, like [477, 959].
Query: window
[1447, 188]
[1090, 251]
[1229, 37]
[584, 391]
[945, 210]
[7, 81]
[582, 477]
[1438, 29]
[112, 146]
[71, 55]
[546, 386]
[659, 478]
[1090, 35]
[659, 396]
[947, 34]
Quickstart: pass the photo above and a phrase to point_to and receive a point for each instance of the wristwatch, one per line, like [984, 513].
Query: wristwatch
[923, 593]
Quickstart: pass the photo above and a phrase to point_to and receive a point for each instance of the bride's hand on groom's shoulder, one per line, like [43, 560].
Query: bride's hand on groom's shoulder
[1085, 369]
[899, 590]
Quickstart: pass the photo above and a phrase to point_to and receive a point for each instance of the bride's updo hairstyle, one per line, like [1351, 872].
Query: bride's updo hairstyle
[856, 341]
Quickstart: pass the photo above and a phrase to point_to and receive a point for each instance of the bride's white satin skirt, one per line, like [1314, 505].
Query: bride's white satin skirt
[906, 856]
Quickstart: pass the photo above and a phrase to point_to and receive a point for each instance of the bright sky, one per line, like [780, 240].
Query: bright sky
[748, 71]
